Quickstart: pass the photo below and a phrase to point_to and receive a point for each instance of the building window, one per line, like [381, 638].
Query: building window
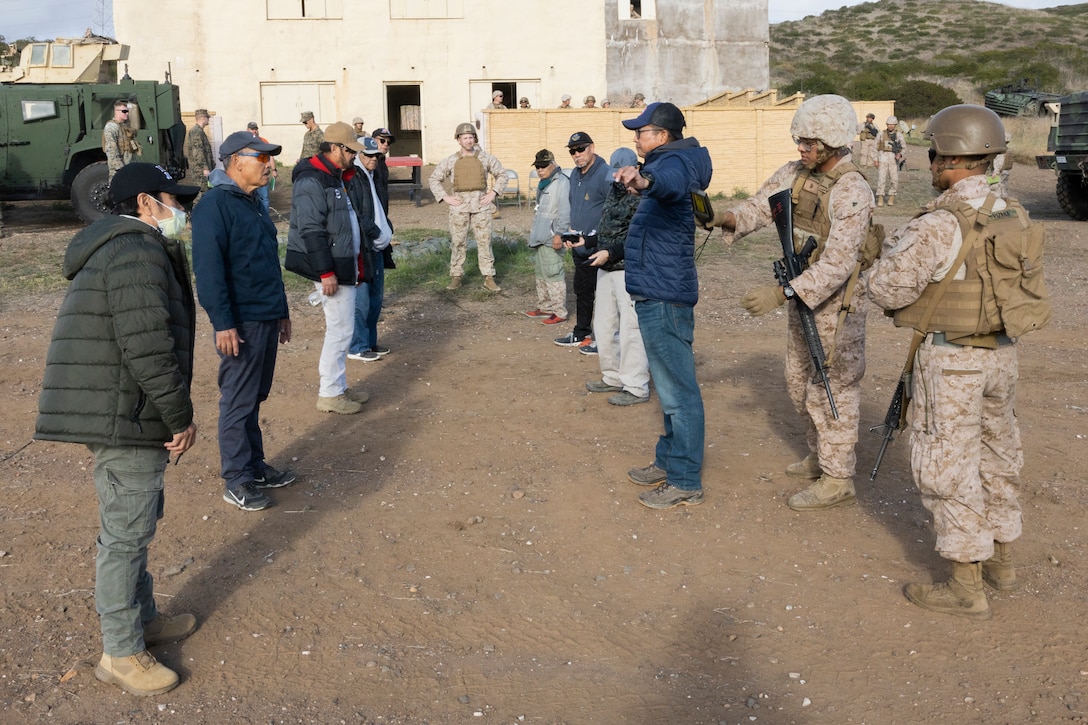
[283, 103]
[298, 9]
[426, 9]
[637, 9]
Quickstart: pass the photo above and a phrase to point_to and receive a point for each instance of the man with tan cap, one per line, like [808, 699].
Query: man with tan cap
[357, 123]
[198, 151]
[311, 142]
[323, 245]
[465, 173]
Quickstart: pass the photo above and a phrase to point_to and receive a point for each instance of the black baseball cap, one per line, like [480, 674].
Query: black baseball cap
[141, 178]
[579, 138]
[245, 140]
[662, 114]
[386, 133]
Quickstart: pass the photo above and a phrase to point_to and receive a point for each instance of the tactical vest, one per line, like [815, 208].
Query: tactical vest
[812, 207]
[468, 174]
[1002, 292]
[884, 142]
[867, 133]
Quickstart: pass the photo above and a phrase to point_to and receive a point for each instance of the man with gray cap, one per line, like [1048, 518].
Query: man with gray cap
[240, 286]
[117, 379]
[659, 264]
[198, 150]
[833, 204]
[564, 101]
[311, 142]
[552, 218]
[324, 245]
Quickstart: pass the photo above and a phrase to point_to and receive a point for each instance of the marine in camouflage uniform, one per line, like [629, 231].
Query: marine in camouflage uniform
[966, 453]
[867, 133]
[311, 142]
[887, 161]
[115, 141]
[471, 204]
[198, 151]
[829, 193]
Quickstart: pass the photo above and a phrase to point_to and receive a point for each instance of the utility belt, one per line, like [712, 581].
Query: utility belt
[990, 341]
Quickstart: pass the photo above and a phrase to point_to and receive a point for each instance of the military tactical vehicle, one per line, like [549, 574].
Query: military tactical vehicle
[1018, 99]
[1069, 142]
[53, 106]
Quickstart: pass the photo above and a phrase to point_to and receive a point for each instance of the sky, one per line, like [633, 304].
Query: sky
[69, 18]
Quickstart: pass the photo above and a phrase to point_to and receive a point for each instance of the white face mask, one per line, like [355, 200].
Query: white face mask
[171, 228]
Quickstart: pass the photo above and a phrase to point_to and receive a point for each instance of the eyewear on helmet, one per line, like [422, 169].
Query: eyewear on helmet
[263, 158]
[577, 149]
[805, 144]
[932, 155]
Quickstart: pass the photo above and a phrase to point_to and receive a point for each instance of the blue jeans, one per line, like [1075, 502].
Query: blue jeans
[368, 308]
[667, 333]
[244, 383]
[129, 483]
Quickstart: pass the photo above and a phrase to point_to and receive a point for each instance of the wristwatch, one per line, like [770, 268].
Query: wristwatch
[649, 179]
[788, 292]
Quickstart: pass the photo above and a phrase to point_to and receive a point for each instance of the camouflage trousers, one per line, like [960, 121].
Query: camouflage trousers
[888, 174]
[868, 152]
[480, 221]
[551, 280]
[831, 440]
[965, 446]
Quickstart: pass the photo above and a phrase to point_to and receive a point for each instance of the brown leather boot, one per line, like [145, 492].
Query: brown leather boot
[491, 285]
[998, 571]
[962, 596]
[139, 674]
[455, 283]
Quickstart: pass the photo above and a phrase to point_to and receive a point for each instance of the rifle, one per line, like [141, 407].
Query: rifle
[896, 416]
[790, 266]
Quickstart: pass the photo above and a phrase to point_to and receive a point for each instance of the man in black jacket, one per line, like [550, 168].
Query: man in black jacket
[117, 380]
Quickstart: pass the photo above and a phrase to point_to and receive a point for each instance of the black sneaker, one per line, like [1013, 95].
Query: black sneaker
[569, 340]
[271, 478]
[379, 350]
[246, 497]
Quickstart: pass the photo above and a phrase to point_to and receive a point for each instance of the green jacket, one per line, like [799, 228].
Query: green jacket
[120, 363]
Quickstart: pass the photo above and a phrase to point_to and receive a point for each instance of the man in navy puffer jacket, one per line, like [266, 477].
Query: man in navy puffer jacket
[661, 278]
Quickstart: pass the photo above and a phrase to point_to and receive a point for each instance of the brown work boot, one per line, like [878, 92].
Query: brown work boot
[164, 629]
[891, 199]
[341, 404]
[139, 674]
[490, 285]
[998, 571]
[962, 596]
[455, 283]
[880, 201]
[826, 493]
[808, 467]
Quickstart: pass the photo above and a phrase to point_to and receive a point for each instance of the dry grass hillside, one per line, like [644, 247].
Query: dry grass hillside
[965, 45]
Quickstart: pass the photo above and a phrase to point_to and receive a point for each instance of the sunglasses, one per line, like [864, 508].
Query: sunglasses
[263, 158]
[124, 110]
[577, 150]
[347, 150]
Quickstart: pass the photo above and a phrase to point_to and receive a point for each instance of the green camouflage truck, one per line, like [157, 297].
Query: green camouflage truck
[1068, 142]
[53, 106]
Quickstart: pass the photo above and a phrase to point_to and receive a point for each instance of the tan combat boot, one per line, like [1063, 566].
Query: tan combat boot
[341, 404]
[490, 285]
[140, 674]
[164, 629]
[891, 200]
[808, 467]
[998, 571]
[962, 596]
[880, 201]
[455, 283]
[826, 493]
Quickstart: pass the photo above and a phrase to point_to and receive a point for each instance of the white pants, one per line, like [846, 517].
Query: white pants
[339, 327]
[615, 332]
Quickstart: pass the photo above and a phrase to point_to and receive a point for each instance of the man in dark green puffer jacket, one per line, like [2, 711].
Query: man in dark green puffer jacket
[117, 379]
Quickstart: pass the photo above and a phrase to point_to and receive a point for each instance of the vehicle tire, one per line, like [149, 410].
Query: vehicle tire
[90, 192]
[1073, 195]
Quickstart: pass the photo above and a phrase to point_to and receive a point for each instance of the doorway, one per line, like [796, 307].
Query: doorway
[405, 113]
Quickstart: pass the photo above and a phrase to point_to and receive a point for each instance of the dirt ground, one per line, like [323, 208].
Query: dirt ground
[467, 549]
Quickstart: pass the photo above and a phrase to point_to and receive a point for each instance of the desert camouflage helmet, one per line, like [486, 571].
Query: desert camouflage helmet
[828, 118]
[463, 128]
[966, 130]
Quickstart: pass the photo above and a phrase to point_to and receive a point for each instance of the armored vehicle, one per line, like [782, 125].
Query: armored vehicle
[53, 107]
[1068, 141]
[1018, 99]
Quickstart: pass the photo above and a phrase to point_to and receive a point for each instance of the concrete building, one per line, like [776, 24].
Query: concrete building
[420, 67]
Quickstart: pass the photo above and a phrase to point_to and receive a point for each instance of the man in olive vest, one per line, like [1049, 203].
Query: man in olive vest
[966, 453]
[867, 133]
[461, 181]
[198, 150]
[832, 202]
[889, 152]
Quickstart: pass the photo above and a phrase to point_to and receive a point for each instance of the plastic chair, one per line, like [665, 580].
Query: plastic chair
[513, 185]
